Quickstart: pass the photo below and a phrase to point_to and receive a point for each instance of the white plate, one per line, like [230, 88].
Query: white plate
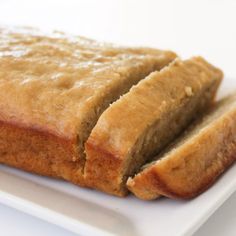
[88, 212]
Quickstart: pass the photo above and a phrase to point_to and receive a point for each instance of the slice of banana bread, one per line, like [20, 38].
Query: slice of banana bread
[143, 121]
[193, 162]
[54, 87]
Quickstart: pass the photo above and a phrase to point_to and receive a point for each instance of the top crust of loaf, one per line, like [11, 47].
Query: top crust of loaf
[193, 162]
[61, 83]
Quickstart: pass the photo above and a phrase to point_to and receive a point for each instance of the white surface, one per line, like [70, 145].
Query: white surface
[88, 212]
[188, 27]
[222, 223]
[15, 223]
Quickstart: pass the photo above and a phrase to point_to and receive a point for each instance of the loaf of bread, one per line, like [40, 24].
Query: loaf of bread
[91, 113]
[143, 121]
[53, 88]
[194, 161]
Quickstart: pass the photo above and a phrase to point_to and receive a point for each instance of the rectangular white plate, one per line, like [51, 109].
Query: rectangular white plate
[88, 212]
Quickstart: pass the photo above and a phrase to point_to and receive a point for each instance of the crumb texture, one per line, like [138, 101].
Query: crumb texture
[137, 126]
[193, 162]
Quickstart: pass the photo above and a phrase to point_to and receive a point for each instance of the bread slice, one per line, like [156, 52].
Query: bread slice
[192, 163]
[143, 121]
[54, 87]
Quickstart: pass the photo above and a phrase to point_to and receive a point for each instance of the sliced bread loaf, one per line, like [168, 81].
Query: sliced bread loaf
[143, 121]
[193, 162]
[54, 87]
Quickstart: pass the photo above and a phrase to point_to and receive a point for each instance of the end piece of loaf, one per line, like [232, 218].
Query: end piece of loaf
[54, 87]
[194, 161]
[138, 125]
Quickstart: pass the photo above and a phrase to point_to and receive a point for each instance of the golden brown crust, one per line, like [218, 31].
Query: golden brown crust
[193, 167]
[105, 166]
[32, 149]
[77, 75]
[152, 185]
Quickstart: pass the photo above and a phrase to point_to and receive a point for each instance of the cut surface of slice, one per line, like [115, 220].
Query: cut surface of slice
[143, 121]
[54, 87]
[193, 162]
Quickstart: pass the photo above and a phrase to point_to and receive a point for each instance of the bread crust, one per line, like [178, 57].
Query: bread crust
[152, 185]
[113, 165]
[194, 167]
[34, 150]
